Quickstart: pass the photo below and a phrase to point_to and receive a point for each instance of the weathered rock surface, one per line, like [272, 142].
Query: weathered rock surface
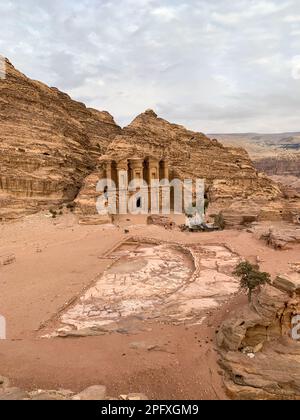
[49, 144]
[12, 394]
[228, 172]
[93, 393]
[281, 165]
[289, 283]
[163, 221]
[273, 374]
[260, 359]
[282, 238]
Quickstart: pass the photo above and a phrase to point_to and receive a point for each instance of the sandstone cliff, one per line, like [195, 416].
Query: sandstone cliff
[229, 172]
[49, 144]
[280, 165]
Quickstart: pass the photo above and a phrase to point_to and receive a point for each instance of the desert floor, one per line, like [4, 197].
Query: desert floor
[55, 259]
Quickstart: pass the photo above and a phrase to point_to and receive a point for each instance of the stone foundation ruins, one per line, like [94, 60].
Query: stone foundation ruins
[150, 280]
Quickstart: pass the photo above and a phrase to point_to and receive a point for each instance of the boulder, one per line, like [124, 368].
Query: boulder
[289, 283]
[93, 393]
[163, 221]
[258, 355]
[282, 237]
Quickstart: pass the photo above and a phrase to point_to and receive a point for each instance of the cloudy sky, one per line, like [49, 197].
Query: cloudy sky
[212, 65]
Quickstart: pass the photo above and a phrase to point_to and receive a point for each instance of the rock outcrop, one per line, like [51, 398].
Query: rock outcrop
[284, 165]
[229, 172]
[282, 238]
[49, 144]
[260, 359]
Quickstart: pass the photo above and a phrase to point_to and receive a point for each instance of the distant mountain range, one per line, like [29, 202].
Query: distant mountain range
[258, 144]
[278, 155]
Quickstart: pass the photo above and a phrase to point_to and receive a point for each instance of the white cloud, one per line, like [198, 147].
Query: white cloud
[295, 64]
[167, 14]
[257, 8]
[292, 18]
[212, 65]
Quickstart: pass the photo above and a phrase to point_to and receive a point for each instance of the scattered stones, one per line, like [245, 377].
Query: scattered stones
[92, 393]
[7, 259]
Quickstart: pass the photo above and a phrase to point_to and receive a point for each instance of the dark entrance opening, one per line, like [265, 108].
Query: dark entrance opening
[139, 203]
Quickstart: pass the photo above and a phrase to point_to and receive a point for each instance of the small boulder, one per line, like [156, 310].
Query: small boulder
[288, 282]
[134, 397]
[93, 393]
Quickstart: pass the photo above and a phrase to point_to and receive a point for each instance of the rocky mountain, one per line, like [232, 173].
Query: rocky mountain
[228, 171]
[52, 148]
[49, 144]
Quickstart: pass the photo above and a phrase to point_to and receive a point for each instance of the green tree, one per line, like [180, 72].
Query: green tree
[251, 277]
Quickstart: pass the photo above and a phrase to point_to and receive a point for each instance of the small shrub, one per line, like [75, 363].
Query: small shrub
[251, 278]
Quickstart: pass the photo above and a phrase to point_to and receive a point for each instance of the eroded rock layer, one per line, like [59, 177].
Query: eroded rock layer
[49, 143]
[260, 359]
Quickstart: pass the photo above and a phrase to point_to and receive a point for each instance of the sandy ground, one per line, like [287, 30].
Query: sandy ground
[55, 260]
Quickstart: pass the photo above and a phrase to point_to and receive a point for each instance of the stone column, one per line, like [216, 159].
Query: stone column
[109, 172]
[111, 195]
[165, 169]
[122, 169]
[153, 169]
[154, 192]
